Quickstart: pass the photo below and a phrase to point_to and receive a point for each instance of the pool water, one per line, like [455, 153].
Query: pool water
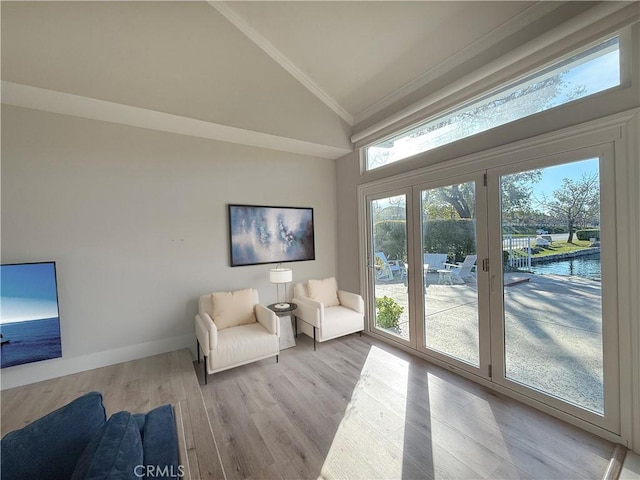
[587, 266]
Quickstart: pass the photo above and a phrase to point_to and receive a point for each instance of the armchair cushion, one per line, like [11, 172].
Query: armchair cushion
[48, 447]
[339, 320]
[113, 452]
[324, 291]
[351, 300]
[160, 438]
[231, 309]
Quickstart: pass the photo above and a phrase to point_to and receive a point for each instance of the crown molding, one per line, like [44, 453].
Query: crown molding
[604, 17]
[85, 107]
[237, 21]
[498, 34]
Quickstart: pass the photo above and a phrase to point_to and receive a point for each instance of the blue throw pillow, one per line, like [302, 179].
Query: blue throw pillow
[115, 452]
[161, 443]
[51, 446]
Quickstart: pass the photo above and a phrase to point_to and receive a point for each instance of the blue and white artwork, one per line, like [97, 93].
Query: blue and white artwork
[270, 234]
[29, 321]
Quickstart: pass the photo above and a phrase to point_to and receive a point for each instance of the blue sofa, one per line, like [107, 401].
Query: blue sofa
[78, 442]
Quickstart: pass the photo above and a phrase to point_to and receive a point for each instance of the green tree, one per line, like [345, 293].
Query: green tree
[516, 190]
[577, 202]
[515, 194]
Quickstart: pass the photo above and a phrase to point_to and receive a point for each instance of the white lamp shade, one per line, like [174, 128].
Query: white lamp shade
[280, 275]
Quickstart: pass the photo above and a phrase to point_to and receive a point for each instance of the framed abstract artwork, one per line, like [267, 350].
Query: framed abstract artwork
[259, 234]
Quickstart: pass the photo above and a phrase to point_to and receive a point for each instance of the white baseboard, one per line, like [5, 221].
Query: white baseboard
[36, 372]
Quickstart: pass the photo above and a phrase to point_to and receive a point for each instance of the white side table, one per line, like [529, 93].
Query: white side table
[445, 277]
[287, 339]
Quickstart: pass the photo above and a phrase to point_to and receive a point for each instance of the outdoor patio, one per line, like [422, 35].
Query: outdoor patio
[553, 333]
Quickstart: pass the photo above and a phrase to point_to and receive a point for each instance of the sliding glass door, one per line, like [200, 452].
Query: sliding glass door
[451, 247]
[387, 266]
[552, 232]
[507, 273]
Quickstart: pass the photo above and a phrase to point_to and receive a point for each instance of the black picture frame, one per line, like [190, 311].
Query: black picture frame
[261, 234]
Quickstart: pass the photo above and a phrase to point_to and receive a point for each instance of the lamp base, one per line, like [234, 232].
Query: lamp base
[281, 306]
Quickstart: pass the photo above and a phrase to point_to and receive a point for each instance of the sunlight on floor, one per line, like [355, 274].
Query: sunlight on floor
[376, 411]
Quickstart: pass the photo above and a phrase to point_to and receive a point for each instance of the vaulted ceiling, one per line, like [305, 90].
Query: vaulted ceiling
[292, 75]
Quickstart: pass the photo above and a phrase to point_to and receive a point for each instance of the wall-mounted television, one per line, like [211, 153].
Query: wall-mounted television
[260, 234]
[29, 318]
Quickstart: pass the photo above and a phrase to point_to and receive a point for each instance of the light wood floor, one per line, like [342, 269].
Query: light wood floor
[137, 386]
[358, 408]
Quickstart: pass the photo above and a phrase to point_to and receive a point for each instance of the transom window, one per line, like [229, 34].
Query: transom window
[588, 72]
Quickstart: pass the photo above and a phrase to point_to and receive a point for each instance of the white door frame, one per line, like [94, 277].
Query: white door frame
[369, 297]
[478, 178]
[611, 419]
[620, 130]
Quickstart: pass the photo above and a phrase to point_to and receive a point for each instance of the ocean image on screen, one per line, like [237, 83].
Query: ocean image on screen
[29, 321]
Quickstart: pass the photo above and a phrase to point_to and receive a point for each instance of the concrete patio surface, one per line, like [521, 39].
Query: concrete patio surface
[553, 330]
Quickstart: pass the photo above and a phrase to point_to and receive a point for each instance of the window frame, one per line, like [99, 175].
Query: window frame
[625, 61]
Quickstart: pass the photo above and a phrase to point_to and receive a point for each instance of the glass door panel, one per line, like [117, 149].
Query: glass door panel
[552, 289]
[449, 264]
[388, 266]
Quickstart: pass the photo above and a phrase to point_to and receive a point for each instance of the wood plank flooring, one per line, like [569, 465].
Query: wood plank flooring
[137, 386]
[358, 408]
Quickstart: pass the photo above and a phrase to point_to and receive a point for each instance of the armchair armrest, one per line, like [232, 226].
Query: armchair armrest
[267, 319]
[206, 332]
[449, 266]
[351, 300]
[309, 310]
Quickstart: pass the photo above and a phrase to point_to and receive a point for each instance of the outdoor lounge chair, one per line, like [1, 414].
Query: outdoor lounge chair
[434, 261]
[388, 268]
[459, 272]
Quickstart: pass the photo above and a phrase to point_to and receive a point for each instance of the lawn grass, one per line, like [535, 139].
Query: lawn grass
[555, 248]
[563, 247]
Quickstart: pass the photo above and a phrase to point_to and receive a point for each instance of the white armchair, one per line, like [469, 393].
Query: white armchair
[327, 312]
[233, 329]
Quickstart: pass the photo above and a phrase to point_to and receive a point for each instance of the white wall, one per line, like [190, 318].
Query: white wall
[137, 223]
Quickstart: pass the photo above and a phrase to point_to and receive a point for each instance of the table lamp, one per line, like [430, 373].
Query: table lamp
[280, 275]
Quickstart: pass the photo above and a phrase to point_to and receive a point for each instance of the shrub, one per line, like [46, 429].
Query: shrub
[588, 233]
[388, 312]
[456, 238]
[390, 237]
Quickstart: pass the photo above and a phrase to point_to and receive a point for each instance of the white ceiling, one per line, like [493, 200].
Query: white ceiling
[295, 76]
[359, 54]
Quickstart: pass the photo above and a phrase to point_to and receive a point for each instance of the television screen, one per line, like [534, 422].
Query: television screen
[29, 321]
[261, 234]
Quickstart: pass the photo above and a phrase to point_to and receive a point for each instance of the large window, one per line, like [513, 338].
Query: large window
[588, 72]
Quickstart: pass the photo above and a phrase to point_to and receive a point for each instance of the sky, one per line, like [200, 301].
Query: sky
[552, 176]
[28, 292]
[597, 75]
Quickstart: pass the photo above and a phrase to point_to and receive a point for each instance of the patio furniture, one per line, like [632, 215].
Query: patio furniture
[542, 242]
[388, 268]
[434, 261]
[458, 272]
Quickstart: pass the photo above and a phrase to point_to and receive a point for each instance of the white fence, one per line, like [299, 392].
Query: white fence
[519, 249]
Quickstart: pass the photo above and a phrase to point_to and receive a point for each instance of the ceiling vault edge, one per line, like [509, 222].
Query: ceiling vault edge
[235, 19]
[52, 101]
